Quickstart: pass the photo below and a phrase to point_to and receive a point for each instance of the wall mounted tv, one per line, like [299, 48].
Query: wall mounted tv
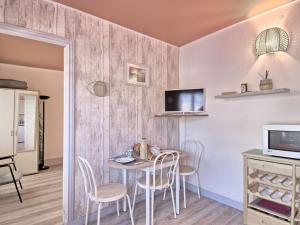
[185, 100]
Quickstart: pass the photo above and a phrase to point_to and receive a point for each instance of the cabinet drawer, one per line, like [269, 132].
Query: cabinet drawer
[270, 167]
[257, 218]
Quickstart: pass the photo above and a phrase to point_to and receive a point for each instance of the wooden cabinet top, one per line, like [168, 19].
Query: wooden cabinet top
[258, 154]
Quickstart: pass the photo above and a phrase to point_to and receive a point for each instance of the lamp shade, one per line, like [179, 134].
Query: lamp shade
[97, 88]
[270, 40]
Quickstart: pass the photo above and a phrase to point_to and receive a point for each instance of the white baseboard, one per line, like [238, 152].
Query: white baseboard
[219, 198]
[54, 161]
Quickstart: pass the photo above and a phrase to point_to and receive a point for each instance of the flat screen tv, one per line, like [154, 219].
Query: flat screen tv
[185, 100]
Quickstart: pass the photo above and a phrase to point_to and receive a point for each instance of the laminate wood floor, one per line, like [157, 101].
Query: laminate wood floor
[199, 212]
[42, 200]
[42, 205]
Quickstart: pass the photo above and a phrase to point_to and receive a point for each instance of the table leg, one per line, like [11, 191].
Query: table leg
[148, 196]
[125, 185]
[177, 190]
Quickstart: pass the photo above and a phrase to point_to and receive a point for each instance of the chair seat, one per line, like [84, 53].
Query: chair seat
[186, 170]
[110, 192]
[158, 183]
[6, 178]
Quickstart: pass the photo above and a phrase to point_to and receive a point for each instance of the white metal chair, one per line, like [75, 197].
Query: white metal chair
[103, 193]
[191, 165]
[163, 176]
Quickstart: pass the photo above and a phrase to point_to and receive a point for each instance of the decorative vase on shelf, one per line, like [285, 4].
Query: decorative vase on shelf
[265, 83]
[143, 149]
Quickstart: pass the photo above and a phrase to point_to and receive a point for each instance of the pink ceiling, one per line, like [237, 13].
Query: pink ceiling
[174, 21]
[27, 52]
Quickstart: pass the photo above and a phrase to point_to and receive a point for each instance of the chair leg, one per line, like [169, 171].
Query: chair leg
[130, 209]
[20, 184]
[16, 186]
[14, 165]
[134, 196]
[165, 194]
[184, 192]
[173, 202]
[118, 209]
[198, 188]
[87, 211]
[99, 211]
[152, 207]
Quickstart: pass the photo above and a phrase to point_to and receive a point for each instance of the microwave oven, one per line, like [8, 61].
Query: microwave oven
[282, 140]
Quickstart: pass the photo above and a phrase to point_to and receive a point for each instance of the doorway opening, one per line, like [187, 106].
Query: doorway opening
[65, 140]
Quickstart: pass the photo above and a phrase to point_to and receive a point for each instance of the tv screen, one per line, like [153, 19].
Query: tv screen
[188, 100]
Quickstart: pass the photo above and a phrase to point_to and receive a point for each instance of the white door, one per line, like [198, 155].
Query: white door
[7, 101]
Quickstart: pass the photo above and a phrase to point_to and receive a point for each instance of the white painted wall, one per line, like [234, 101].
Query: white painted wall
[221, 62]
[47, 82]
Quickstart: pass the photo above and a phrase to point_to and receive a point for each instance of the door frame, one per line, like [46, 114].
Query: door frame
[69, 107]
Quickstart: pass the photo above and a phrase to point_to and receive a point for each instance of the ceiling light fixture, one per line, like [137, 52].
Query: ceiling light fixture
[271, 40]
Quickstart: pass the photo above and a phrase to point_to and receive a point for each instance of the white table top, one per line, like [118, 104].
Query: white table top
[139, 163]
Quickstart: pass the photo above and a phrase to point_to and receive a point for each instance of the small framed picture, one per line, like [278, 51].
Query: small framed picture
[138, 74]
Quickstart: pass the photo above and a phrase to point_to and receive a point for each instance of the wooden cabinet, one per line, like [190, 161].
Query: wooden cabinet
[19, 128]
[271, 189]
[7, 99]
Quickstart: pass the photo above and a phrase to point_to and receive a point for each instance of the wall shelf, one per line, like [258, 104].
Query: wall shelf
[180, 114]
[254, 93]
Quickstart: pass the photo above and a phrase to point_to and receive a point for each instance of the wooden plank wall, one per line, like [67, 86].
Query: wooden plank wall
[107, 126]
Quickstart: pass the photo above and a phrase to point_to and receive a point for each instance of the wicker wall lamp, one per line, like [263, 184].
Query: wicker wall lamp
[271, 40]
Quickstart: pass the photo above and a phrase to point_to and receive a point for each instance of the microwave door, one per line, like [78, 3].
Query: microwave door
[284, 140]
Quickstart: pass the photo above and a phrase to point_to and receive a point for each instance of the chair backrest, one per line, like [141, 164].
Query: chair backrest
[90, 185]
[194, 150]
[169, 158]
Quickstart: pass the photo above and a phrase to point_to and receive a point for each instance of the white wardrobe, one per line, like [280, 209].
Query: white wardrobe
[19, 128]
